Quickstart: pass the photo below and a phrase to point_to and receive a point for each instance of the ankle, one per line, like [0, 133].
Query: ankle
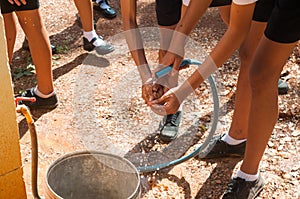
[247, 176]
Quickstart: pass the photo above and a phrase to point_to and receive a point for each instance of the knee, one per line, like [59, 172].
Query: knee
[245, 54]
[262, 80]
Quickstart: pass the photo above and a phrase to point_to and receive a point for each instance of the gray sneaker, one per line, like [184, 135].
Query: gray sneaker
[169, 127]
[239, 188]
[283, 87]
[221, 149]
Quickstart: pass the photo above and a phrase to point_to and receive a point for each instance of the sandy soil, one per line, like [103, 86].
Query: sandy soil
[100, 102]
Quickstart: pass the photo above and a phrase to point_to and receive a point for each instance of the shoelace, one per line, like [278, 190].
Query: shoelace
[233, 185]
[171, 119]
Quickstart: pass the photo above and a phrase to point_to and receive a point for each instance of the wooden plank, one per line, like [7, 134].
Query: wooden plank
[11, 173]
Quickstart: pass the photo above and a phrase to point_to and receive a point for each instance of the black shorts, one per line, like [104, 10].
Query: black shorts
[6, 7]
[284, 23]
[168, 12]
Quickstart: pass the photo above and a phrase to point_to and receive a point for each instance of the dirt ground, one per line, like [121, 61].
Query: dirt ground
[100, 101]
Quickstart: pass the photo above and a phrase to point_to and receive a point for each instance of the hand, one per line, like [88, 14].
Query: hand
[173, 59]
[147, 93]
[163, 83]
[18, 2]
[151, 92]
[167, 104]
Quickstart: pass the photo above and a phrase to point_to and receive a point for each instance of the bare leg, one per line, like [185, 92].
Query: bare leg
[39, 45]
[239, 125]
[10, 33]
[85, 10]
[267, 65]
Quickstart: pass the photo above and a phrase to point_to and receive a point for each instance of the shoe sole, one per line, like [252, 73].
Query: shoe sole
[282, 91]
[165, 139]
[227, 156]
[42, 107]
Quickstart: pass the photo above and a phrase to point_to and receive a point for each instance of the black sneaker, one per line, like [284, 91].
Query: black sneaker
[239, 188]
[40, 103]
[101, 50]
[169, 127]
[283, 87]
[220, 149]
[108, 12]
[25, 46]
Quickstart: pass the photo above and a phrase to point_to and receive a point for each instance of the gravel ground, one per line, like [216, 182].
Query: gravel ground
[100, 102]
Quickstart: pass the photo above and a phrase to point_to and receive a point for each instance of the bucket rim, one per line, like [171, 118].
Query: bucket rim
[91, 152]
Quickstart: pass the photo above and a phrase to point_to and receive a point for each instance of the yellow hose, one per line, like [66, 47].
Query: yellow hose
[34, 148]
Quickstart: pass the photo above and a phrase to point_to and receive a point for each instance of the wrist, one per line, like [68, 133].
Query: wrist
[207, 68]
[183, 91]
[178, 42]
[145, 73]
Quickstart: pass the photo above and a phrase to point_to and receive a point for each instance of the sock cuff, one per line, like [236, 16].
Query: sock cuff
[90, 35]
[246, 176]
[230, 140]
[40, 94]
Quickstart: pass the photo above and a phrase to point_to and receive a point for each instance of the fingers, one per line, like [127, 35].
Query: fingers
[158, 91]
[147, 94]
[19, 3]
[23, 2]
[176, 66]
[11, 2]
[158, 109]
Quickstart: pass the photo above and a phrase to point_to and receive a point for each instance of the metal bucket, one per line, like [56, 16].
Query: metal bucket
[92, 175]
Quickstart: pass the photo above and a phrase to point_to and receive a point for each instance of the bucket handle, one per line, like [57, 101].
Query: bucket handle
[34, 149]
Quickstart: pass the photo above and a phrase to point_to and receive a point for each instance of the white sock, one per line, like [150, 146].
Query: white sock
[246, 176]
[103, 4]
[230, 140]
[40, 94]
[92, 34]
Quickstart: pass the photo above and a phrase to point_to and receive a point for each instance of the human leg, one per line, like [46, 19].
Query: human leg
[39, 44]
[280, 37]
[265, 71]
[85, 10]
[233, 143]
[239, 125]
[10, 33]
[91, 41]
[168, 14]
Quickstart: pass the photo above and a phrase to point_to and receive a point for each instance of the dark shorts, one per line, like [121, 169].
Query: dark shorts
[284, 23]
[283, 16]
[6, 7]
[168, 12]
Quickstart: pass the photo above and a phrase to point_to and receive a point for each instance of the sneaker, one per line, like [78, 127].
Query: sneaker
[239, 188]
[40, 103]
[283, 87]
[169, 127]
[221, 149]
[107, 10]
[101, 50]
[25, 46]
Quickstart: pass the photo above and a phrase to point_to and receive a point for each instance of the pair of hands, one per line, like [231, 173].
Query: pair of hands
[161, 99]
[17, 2]
[161, 94]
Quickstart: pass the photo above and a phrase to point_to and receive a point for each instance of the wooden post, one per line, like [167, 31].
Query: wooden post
[11, 172]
